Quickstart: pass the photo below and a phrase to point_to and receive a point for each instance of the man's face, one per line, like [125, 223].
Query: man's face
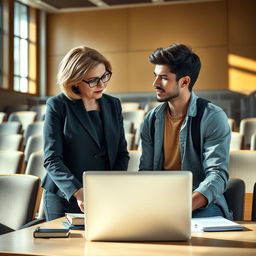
[165, 84]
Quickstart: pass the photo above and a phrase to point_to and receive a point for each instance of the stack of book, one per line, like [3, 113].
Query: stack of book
[74, 220]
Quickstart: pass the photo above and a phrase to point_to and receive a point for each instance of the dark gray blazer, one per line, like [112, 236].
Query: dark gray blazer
[71, 145]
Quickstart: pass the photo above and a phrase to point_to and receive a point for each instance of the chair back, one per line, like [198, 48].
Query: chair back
[3, 117]
[236, 142]
[35, 165]
[151, 105]
[130, 106]
[35, 144]
[234, 195]
[247, 128]
[14, 108]
[18, 197]
[11, 162]
[242, 164]
[40, 111]
[24, 117]
[10, 128]
[11, 142]
[130, 140]
[232, 124]
[137, 117]
[33, 128]
[254, 203]
[128, 126]
[134, 162]
[253, 142]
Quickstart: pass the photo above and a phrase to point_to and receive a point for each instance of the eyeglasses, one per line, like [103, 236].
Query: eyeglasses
[94, 82]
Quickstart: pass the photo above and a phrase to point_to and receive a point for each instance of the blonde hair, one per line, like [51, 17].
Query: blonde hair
[75, 64]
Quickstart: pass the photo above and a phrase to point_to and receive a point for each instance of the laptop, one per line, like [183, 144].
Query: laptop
[137, 206]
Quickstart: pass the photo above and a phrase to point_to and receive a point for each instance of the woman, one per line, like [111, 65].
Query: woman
[83, 130]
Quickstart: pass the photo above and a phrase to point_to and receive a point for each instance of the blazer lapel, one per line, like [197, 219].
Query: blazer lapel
[79, 111]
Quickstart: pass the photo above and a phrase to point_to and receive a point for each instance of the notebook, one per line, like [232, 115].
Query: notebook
[216, 223]
[137, 206]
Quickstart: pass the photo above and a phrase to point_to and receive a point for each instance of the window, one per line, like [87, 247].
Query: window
[24, 52]
[20, 81]
[1, 44]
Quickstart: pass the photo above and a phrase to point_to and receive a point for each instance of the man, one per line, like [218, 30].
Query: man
[168, 130]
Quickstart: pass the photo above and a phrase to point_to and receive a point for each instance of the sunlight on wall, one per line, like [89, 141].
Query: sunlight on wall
[242, 74]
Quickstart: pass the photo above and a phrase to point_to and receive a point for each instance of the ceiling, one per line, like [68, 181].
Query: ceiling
[76, 5]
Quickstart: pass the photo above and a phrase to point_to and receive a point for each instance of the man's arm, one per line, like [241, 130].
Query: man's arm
[198, 201]
[215, 156]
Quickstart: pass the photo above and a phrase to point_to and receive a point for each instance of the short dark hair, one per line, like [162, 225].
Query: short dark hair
[180, 59]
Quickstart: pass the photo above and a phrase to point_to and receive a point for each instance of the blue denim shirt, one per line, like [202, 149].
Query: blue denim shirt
[210, 169]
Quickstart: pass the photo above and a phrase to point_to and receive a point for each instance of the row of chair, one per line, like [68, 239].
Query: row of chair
[246, 129]
[13, 142]
[40, 109]
[15, 128]
[12, 162]
[250, 122]
[237, 141]
[23, 117]
[21, 196]
[244, 139]
[23, 208]
[133, 106]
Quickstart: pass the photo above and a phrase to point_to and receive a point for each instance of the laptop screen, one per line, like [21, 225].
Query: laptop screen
[138, 206]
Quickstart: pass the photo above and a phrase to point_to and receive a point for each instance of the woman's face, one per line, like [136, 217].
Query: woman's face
[90, 79]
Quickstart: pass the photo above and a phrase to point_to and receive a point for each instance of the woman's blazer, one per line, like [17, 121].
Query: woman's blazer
[71, 145]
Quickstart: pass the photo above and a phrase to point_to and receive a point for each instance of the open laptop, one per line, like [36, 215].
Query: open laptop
[137, 206]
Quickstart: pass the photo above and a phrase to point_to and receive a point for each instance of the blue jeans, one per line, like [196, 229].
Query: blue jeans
[56, 206]
[210, 211]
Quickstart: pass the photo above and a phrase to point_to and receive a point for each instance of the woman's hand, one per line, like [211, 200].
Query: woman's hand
[79, 195]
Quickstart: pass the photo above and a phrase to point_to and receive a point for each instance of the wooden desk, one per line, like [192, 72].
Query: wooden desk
[236, 243]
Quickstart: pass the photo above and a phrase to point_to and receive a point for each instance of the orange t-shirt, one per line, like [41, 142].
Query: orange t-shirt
[172, 160]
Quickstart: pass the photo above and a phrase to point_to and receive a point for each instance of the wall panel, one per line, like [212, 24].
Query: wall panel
[119, 80]
[242, 45]
[198, 24]
[128, 36]
[213, 75]
[103, 30]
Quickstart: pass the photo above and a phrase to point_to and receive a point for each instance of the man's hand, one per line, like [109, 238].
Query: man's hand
[198, 201]
[79, 195]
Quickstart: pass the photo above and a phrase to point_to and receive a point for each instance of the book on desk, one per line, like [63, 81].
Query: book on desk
[75, 219]
[51, 232]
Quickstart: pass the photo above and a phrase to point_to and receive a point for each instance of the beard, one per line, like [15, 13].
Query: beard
[168, 97]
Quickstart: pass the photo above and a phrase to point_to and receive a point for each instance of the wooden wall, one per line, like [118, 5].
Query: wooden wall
[127, 36]
[242, 45]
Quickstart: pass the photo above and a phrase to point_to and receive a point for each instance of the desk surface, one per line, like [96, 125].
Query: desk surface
[235, 243]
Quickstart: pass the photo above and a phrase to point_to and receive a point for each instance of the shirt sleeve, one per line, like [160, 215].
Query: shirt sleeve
[216, 143]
